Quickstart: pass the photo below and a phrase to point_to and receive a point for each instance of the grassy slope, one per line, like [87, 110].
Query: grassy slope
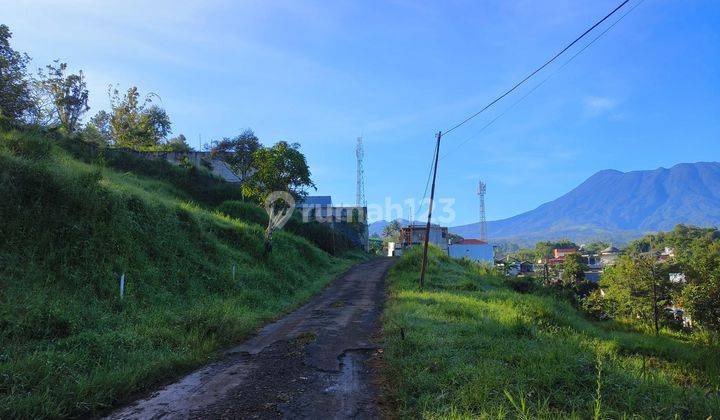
[469, 340]
[68, 345]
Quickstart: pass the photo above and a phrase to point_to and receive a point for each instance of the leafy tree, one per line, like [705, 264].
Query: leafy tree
[68, 94]
[392, 229]
[238, 152]
[178, 143]
[134, 123]
[100, 123]
[573, 269]
[281, 167]
[701, 296]
[16, 100]
[91, 134]
[637, 287]
[524, 254]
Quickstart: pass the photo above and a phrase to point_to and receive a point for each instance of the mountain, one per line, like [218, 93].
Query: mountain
[618, 206]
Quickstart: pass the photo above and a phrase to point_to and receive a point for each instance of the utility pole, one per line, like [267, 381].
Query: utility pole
[430, 207]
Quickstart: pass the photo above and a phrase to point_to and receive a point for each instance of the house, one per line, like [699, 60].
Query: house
[351, 221]
[526, 267]
[563, 252]
[559, 255]
[473, 249]
[414, 234]
[609, 255]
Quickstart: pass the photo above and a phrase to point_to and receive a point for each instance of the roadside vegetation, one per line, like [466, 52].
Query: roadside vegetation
[75, 218]
[469, 345]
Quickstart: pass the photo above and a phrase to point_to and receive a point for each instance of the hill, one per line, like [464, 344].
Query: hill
[468, 346]
[619, 206]
[75, 219]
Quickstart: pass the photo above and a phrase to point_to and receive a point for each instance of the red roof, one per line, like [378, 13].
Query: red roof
[472, 242]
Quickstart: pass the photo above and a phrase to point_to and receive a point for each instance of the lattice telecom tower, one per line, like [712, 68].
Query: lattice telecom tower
[483, 223]
[360, 188]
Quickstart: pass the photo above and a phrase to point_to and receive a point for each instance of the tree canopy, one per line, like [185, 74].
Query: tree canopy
[16, 100]
[281, 167]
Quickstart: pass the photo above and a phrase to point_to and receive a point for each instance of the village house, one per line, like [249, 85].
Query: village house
[414, 234]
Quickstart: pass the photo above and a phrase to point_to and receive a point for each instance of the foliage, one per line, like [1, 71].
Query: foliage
[190, 182]
[68, 94]
[573, 269]
[178, 144]
[322, 236]
[637, 287]
[133, 123]
[392, 230]
[70, 345]
[16, 100]
[281, 167]
[238, 152]
[543, 250]
[460, 346]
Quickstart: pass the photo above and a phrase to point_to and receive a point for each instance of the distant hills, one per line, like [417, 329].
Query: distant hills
[617, 206]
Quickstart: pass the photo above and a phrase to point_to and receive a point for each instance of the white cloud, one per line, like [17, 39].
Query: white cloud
[596, 105]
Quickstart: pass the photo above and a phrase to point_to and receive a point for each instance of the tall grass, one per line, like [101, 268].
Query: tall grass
[69, 345]
[469, 346]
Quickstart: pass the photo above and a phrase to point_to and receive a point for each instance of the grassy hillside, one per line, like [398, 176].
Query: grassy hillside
[74, 221]
[467, 346]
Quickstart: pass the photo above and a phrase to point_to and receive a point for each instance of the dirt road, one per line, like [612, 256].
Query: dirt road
[313, 363]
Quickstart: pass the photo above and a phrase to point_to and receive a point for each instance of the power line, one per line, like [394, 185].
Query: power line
[556, 71]
[427, 184]
[494, 101]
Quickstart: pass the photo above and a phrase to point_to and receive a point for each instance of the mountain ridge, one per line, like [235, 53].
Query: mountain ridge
[617, 206]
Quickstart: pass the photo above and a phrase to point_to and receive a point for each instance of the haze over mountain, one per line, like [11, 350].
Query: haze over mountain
[618, 206]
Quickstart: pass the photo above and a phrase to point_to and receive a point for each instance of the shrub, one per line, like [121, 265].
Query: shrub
[247, 212]
[521, 284]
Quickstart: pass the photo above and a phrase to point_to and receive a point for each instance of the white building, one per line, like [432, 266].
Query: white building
[473, 249]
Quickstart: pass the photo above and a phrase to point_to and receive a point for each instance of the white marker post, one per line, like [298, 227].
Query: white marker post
[122, 285]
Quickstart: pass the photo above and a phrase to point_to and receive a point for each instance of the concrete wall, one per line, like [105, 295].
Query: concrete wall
[199, 159]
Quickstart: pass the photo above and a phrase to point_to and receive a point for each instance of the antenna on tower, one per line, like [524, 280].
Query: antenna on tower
[360, 188]
[483, 224]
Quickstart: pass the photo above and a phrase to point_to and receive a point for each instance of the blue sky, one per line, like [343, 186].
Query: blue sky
[321, 73]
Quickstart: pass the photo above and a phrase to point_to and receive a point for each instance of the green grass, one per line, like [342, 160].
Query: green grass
[472, 347]
[69, 346]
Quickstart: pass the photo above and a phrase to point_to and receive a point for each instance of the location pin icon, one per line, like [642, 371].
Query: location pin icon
[279, 206]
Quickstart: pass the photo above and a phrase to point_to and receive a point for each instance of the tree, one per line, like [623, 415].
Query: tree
[700, 262]
[281, 167]
[573, 269]
[16, 100]
[392, 229]
[238, 152]
[68, 94]
[99, 126]
[178, 143]
[637, 287]
[137, 124]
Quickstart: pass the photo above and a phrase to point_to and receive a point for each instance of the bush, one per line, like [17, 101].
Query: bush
[247, 212]
[27, 145]
[521, 284]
